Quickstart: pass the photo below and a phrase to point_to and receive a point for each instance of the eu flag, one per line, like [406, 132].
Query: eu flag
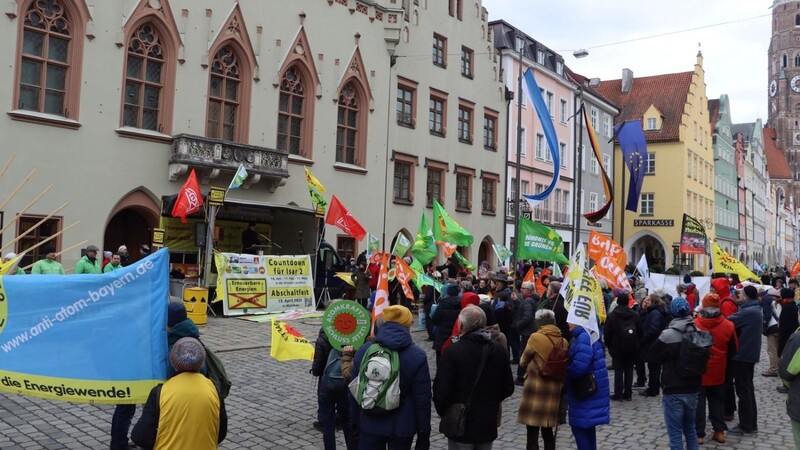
[634, 150]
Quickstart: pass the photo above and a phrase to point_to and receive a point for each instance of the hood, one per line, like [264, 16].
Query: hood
[394, 336]
[182, 329]
[689, 288]
[680, 324]
[478, 335]
[550, 330]
[710, 313]
[451, 302]
[469, 298]
[721, 287]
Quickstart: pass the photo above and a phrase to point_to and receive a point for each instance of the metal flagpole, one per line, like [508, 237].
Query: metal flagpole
[518, 200]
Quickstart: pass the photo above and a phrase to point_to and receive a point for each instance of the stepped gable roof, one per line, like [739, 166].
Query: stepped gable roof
[713, 114]
[777, 165]
[666, 92]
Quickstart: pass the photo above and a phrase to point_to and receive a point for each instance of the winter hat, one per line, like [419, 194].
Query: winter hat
[623, 299]
[687, 279]
[107, 254]
[680, 307]
[751, 292]
[711, 301]
[176, 312]
[398, 314]
[787, 293]
[187, 355]
[616, 291]
[453, 290]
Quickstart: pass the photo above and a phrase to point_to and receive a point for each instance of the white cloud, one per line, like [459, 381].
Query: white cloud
[734, 55]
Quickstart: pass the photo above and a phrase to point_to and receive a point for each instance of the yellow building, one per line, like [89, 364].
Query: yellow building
[680, 168]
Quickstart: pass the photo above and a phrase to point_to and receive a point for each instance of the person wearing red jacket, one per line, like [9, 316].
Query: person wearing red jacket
[727, 305]
[713, 384]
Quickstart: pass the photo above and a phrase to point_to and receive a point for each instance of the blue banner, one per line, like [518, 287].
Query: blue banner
[86, 338]
[634, 150]
[550, 135]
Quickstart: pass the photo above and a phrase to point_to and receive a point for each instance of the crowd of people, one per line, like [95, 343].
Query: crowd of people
[480, 327]
[90, 262]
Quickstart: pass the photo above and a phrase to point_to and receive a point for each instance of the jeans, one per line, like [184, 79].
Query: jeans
[679, 415]
[743, 381]
[585, 438]
[520, 369]
[455, 445]
[623, 376]
[513, 342]
[369, 441]
[654, 382]
[329, 405]
[716, 409]
[120, 424]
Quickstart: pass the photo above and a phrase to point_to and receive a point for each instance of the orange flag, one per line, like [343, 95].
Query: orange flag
[382, 293]
[449, 248]
[539, 285]
[600, 245]
[795, 269]
[530, 276]
[404, 274]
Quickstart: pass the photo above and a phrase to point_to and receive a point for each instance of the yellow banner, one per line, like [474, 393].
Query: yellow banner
[78, 391]
[725, 263]
[287, 343]
[179, 237]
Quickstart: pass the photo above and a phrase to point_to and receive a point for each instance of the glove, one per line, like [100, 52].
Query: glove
[423, 441]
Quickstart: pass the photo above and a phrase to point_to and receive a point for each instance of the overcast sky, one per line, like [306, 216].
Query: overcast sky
[734, 55]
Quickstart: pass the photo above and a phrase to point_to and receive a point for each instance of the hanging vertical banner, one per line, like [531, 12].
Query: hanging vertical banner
[634, 150]
[258, 284]
[596, 216]
[550, 135]
[693, 236]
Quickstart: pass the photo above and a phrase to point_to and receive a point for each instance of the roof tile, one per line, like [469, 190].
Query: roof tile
[777, 166]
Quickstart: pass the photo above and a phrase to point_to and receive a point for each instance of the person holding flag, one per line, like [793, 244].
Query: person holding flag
[361, 278]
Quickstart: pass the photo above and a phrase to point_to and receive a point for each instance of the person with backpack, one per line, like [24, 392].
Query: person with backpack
[654, 319]
[473, 377]
[788, 320]
[748, 322]
[392, 385]
[681, 374]
[525, 323]
[727, 306]
[712, 388]
[622, 332]
[544, 361]
[332, 405]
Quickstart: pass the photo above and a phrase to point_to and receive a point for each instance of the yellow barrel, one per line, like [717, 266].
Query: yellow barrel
[195, 299]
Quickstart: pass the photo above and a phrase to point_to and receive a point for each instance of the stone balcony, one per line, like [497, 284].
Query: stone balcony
[211, 157]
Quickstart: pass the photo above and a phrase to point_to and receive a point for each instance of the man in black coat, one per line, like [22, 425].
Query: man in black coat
[622, 332]
[525, 324]
[445, 316]
[457, 373]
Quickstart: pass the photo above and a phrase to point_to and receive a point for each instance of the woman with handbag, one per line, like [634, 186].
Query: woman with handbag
[544, 378]
[587, 388]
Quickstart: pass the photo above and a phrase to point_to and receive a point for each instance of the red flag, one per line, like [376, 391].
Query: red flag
[382, 292]
[795, 269]
[189, 200]
[404, 275]
[339, 216]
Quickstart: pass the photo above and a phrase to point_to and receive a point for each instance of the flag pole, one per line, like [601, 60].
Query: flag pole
[19, 186]
[518, 200]
[35, 226]
[392, 62]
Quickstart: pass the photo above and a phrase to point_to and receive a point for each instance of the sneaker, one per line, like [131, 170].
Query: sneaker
[738, 431]
[617, 398]
[701, 440]
[769, 374]
[318, 426]
[719, 436]
[782, 389]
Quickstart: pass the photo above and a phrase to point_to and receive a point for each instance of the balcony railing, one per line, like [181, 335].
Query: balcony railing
[539, 214]
[212, 156]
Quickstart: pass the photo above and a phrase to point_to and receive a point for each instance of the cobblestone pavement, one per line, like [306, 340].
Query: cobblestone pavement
[272, 406]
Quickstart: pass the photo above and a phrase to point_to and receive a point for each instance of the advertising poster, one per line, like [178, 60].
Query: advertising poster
[263, 284]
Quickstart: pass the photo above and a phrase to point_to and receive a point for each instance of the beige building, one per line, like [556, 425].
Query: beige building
[114, 103]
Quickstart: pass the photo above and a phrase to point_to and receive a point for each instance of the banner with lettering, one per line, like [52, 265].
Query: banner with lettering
[693, 236]
[86, 338]
[582, 295]
[725, 263]
[600, 245]
[263, 284]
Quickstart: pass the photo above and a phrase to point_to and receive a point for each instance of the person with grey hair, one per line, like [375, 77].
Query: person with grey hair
[473, 360]
[525, 324]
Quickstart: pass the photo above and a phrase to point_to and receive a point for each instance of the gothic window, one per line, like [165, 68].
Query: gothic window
[797, 60]
[797, 20]
[143, 80]
[224, 95]
[783, 61]
[291, 114]
[347, 127]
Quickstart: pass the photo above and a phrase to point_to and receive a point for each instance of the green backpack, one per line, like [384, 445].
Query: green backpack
[217, 374]
[377, 386]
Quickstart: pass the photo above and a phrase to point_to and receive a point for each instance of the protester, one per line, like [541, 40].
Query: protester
[10, 256]
[186, 412]
[473, 370]
[144, 251]
[106, 258]
[622, 332]
[586, 361]
[712, 386]
[748, 322]
[541, 396]
[88, 262]
[332, 404]
[48, 265]
[361, 278]
[654, 320]
[398, 427]
[727, 304]
[555, 303]
[789, 371]
[445, 316]
[680, 392]
[770, 310]
[691, 291]
[787, 323]
[525, 324]
[113, 264]
[250, 241]
[467, 298]
[124, 255]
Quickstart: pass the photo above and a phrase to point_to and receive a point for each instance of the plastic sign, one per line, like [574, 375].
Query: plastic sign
[346, 323]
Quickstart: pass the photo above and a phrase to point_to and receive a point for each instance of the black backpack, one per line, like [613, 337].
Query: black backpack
[628, 339]
[694, 352]
[332, 378]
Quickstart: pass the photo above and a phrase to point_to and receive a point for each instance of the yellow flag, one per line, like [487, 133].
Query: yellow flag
[221, 261]
[725, 263]
[313, 182]
[288, 343]
[347, 277]
[9, 267]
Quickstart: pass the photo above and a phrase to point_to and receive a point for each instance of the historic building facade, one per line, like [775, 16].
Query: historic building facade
[755, 198]
[726, 201]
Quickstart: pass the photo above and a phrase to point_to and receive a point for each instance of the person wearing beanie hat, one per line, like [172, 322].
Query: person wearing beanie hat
[713, 383]
[748, 321]
[457, 371]
[9, 257]
[680, 391]
[622, 332]
[186, 412]
[398, 427]
[47, 265]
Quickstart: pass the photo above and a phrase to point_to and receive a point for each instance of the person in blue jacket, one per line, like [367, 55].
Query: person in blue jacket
[585, 414]
[413, 417]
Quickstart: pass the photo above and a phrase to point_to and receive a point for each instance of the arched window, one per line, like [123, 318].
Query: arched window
[783, 61]
[797, 20]
[224, 95]
[797, 60]
[144, 72]
[291, 113]
[347, 126]
[44, 75]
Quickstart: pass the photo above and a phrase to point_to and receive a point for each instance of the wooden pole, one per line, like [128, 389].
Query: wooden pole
[59, 253]
[14, 192]
[63, 230]
[35, 226]
[8, 164]
[26, 208]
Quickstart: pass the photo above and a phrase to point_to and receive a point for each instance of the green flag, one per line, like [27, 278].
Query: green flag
[373, 243]
[416, 265]
[318, 201]
[424, 248]
[446, 229]
[401, 245]
[238, 177]
[463, 261]
[421, 279]
[502, 252]
[539, 243]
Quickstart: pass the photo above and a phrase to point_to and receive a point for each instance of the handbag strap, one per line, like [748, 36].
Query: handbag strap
[484, 356]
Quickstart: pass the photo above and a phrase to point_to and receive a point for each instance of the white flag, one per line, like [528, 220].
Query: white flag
[644, 271]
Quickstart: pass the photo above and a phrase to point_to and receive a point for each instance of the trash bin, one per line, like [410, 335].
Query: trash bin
[176, 287]
[195, 299]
